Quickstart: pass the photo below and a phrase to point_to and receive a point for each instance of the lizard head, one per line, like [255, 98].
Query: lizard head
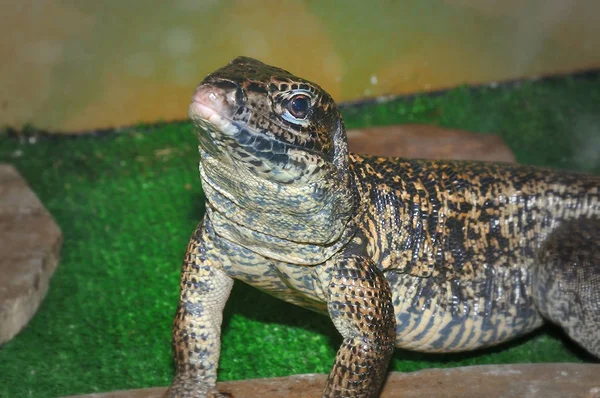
[273, 155]
[264, 119]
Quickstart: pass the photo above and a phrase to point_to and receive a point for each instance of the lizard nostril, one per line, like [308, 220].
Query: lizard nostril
[225, 90]
[208, 95]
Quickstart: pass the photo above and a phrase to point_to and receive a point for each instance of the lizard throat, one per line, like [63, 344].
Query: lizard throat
[260, 212]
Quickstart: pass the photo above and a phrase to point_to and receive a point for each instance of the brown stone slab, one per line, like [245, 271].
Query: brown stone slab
[428, 142]
[30, 243]
[507, 381]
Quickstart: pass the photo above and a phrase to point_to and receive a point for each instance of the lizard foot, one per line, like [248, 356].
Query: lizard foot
[187, 388]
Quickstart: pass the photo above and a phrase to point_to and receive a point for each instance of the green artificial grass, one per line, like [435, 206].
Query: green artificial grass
[127, 203]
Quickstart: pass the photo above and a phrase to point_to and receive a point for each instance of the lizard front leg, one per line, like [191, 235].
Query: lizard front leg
[359, 301]
[205, 289]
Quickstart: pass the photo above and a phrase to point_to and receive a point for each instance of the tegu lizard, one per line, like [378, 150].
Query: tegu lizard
[434, 256]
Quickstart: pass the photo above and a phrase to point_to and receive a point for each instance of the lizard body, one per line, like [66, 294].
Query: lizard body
[426, 255]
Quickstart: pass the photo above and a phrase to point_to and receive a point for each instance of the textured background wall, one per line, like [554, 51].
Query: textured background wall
[73, 65]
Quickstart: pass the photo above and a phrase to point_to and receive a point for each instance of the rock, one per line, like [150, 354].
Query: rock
[428, 142]
[30, 243]
[524, 380]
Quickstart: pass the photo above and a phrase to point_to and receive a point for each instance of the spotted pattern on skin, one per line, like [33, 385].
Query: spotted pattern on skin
[433, 256]
[458, 241]
[572, 250]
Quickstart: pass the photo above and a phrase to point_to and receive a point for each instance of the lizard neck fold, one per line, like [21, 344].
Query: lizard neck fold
[302, 224]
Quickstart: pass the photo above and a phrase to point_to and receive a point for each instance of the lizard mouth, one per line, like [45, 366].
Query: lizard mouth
[212, 110]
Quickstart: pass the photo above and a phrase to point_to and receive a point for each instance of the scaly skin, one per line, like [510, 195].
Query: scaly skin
[424, 255]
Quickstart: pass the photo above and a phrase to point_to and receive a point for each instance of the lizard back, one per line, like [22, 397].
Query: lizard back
[457, 241]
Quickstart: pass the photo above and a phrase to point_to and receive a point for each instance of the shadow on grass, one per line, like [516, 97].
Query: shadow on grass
[259, 306]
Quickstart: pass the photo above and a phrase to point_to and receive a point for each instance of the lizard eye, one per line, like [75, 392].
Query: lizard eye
[299, 106]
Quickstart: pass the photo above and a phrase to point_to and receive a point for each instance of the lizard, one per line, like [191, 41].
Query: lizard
[432, 256]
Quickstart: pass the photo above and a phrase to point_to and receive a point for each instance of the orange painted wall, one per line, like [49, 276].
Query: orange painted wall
[77, 65]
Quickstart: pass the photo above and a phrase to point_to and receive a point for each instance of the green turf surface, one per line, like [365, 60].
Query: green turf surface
[128, 202]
